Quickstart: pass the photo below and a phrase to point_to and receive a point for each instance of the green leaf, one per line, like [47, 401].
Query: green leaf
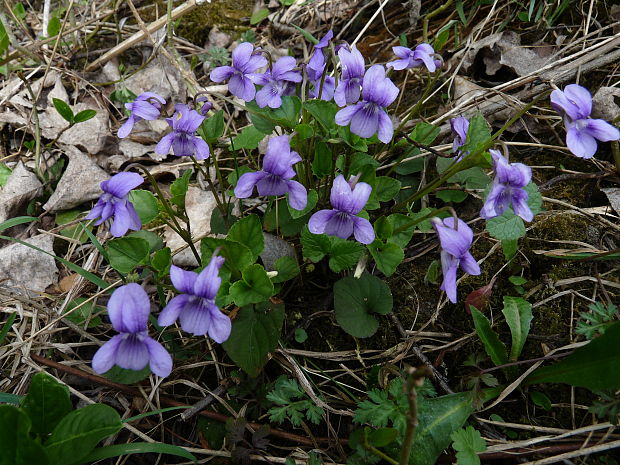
[155, 242]
[260, 119]
[438, 418]
[356, 299]
[6, 398]
[78, 433]
[4, 39]
[162, 259]
[83, 312]
[255, 333]
[17, 447]
[178, 189]
[248, 231]
[213, 127]
[506, 227]
[510, 247]
[323, 163]
[492, 345]
[248, 139]
[259, 16]
[382, 437]
[287, 115]
[387, 256]
[19, 11]
[53, 27]
[126, 253]
[145, 204]
[424, 133]
[324, 112]
[84, 115]
[402, 238]
[5, 172]
[254, 287]
[450, 195]
[534, 198]
[63, 109]
[386, 188]
[518, 313]
[117, 450]
[343, 254]
[313, 197]
[47, 403]
[305, 131]
[237, 256]
[541, 400]
[300, 335]
[467, 442]
[477, 134]
[6, 327]
[314, 246]
[286, 267]
[595, 366]
[77, 230]
[383, 228]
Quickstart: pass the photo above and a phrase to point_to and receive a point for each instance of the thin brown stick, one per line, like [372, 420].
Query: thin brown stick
[173, 403]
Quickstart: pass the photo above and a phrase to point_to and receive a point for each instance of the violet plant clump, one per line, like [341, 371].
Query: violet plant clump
[574, 103]
[133, 349]
[114, 203]
[278, 81]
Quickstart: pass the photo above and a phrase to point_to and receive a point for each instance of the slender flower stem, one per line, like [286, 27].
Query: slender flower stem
[376, 451]
[207, 176]
[415, 379]
[419, 220]
[429, 16]
[615, 150]
[185, 234]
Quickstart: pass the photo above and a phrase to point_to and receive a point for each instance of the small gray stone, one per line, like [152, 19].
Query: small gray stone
[21, 187]
[79, 183]
[27, 271]
[275, 248]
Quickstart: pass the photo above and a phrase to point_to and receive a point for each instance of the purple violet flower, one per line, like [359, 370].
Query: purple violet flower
[278, 81]
[460, 126]
[422, 55]
[132, 349]
[455, 245]
[351, 76]
[195, 307]
[276, 176]
[507, 189]
[183, 139]
[206, 106]
[368, 116]
[244, 63]
[114, 203]
[575, 105]
[342, 220]
[146, 106]
[315, 69]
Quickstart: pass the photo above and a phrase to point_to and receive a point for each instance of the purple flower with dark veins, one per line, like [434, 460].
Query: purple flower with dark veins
[114, 203]
[315, 69]
[276, 176]
[195, 307]
[244, 64]
[132, 348]
[342, 221]
[146, 106]
[351, 76]
[582, 132]
[368, 116]
[455, 245]
[278, 81]
[183, 139]
[422, 55]
[460, 126]
[508, 189]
